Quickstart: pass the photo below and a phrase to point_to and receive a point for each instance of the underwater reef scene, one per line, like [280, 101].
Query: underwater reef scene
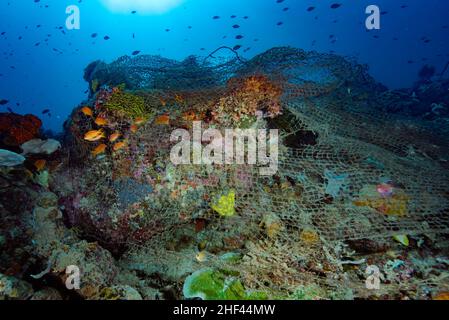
[358, 207]
[186, 150]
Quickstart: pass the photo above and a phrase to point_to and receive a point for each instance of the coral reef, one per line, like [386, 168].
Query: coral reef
[14, 289]
[355, 187]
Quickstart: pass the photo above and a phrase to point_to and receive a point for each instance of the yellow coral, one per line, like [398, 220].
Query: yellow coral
[108, 294]
[273, 225]
[225, 206]
[129, 104]
[402, 239]
[394, 206]
[309, 237]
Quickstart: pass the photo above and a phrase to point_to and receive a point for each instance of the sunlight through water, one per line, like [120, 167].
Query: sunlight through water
[142, 6]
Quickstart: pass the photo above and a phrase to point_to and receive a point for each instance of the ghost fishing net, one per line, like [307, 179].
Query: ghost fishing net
[347, 172]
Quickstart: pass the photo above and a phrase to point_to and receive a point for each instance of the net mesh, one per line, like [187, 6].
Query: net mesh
[336, 150]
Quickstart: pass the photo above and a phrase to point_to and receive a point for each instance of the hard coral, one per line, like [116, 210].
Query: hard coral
[16, 129]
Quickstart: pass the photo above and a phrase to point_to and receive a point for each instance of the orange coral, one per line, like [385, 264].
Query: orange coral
[163, 120]
[249, 95]
[16, 129]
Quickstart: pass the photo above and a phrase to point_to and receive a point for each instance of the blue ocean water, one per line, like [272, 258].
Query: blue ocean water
[42, 62]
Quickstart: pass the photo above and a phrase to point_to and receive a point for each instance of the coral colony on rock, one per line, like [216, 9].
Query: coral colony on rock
[288, 172]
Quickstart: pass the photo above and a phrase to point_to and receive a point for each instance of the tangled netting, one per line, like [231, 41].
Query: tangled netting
[337, 154]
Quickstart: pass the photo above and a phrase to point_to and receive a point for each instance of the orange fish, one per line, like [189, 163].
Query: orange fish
[134, 128]
[179, 98]
[40, 164]
[99, 149]
[164, 119]
[442, 296]
[100, 121]
[139, 121]
[114, 137]
[87, 111]
[189, 116]
[119, 145]
[94, 135]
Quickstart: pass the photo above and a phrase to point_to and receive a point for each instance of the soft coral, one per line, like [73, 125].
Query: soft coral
[16, 129]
